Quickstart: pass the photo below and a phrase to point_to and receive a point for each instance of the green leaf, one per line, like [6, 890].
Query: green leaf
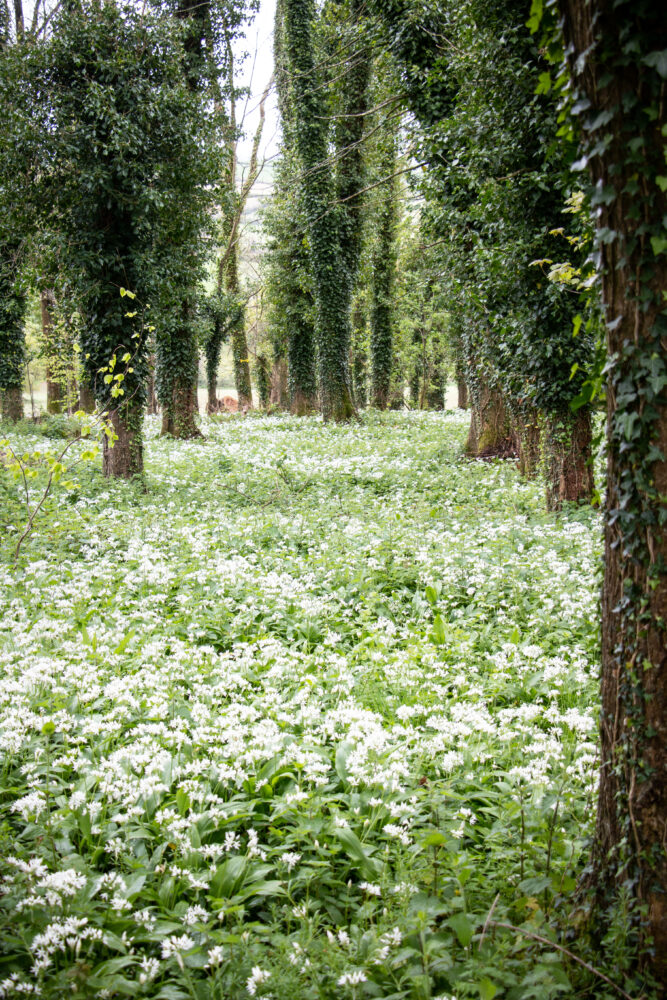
[438, 635]
[487, 989]
[355, 850]
[228, 877]
[543, 83]
[462, 928]
[122, 645]
[536, 11]
[342, 753]
[435, 839]
[658, 60]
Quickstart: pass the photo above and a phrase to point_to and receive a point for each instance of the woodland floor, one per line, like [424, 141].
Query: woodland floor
[305, 718]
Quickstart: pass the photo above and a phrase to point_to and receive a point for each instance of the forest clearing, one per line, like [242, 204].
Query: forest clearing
[333, 499]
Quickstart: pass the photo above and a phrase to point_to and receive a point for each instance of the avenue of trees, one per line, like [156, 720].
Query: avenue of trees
[465, 192]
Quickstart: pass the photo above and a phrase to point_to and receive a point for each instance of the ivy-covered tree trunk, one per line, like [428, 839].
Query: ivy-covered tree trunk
[263, 378]
[335, 236]
[617, 60]
[301, 378]
[359, 353]
[292, 311]
[125, 459]
[461, 383]
[567, 453]
[435, 394]
[382, 280]
[489, 421]
[238, 339]
[177, 367]
[462, 394]
[151, 393]
[279, 395]
[527, 431]
[12, 340]
[212, 354]
[86, 394]
[54, 387]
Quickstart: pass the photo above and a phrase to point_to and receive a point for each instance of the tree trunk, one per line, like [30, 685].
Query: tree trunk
[301, 380]
[359, 355]
[335, 238]
[152, 402]
[86, 395]
[239, 342]
[212, 404]
[462, 388]
[124, 457]
[624, 128]
[567, 448]
[54, 386]
[489, 424]
[12, 403]
[241, 366]
[263, 377]
[178, 418]
[279, 395]
[527, 440]
[382, 281]
[435, 397]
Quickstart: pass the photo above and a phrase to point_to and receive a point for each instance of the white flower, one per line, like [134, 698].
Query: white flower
[370, 888]
[216, 956]
[291, 859]
[232, 841]
[352, 978]
[392, 937]
[174, 945]
[149, 969]
[257, 977]
[195, 914]
[30, 805]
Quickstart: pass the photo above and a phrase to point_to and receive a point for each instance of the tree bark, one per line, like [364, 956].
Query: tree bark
[462, 389]
[178, 418]
[567, 447]
[489, 423]
[382, 281]
[12, 403]
[54, 387]
[263, 379]
[86, 395]
[335, 238]
[124, 457]
[279, 395]
[624, 130]
[152, 401]
[359, 352]
[527, 436]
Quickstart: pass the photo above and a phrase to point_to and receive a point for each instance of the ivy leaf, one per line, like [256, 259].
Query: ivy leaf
[536, 11]
[658, 60]
[659, 245]
[543, 83]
